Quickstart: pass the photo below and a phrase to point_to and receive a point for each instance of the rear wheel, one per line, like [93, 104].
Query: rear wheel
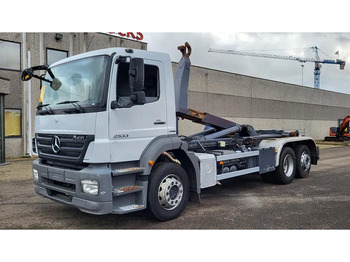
[285, 171]
[168, 191]
[303, 158]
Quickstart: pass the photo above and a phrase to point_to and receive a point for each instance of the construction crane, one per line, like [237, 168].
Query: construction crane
[316, 60]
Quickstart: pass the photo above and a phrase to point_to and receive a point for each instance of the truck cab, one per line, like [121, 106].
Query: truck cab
[94, 100]
[97, 114]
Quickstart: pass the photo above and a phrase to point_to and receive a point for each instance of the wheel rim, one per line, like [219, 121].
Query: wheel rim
[305, 161]
[288, 166]
[170, 192]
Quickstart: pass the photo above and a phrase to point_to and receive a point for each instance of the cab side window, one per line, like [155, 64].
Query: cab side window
[151, 82]
[123, 88]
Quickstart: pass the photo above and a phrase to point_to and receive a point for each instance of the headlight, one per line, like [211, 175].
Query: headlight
[90, 187]
[35, 175]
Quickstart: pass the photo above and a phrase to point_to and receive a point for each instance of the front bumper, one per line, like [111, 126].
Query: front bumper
[64, 186]
[92, 207]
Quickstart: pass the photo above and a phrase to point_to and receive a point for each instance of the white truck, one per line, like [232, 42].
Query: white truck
[106, 135]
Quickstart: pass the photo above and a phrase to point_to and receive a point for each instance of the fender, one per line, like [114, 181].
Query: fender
[157, 147]
[180, 148]
[279, 143]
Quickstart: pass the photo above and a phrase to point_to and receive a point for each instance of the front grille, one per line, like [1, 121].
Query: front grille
[59, 195]
[71, 148]
[58, 184]
[71, 166]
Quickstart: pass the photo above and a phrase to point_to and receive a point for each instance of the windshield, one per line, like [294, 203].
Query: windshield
[82, 84]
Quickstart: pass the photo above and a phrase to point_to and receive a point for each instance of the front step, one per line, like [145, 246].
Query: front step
[127, 171]
[127, 209]
[126, 190]
[129, 195]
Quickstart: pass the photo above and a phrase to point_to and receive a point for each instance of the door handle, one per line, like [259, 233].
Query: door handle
[159, 122]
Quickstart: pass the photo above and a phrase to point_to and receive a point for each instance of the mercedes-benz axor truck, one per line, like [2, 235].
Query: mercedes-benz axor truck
[106, 135]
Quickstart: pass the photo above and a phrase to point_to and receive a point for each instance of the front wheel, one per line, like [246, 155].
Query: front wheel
[285, 171]
[168, 191]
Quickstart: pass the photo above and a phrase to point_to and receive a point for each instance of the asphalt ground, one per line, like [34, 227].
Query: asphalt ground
[291, 213]
[320, 201]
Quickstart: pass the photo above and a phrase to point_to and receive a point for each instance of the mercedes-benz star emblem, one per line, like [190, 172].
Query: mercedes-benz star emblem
[55, 144]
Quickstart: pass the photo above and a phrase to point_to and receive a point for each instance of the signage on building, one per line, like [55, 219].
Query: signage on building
[136, 36]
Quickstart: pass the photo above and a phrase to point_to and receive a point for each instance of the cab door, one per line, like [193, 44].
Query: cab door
[132, 129]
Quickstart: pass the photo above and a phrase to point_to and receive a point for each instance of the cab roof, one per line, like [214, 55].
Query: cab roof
[119, 51]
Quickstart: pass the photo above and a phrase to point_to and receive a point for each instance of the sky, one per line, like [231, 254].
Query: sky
[237, 25]
[289, 43]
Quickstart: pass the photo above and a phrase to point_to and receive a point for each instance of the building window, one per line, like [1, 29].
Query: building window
[53, 55]
[10, 55]
[13, 125]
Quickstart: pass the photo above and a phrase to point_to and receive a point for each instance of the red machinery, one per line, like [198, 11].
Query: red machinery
[341, 132]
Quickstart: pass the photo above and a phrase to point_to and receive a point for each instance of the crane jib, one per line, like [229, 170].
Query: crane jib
[316, 60]
[300, 59]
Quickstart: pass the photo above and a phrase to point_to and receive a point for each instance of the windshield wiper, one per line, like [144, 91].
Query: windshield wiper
[78, 107]
[68, 102]
[47, 108]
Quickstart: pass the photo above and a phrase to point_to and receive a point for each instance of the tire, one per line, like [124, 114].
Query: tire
[285, 171]
[303, 157]
[168, 191]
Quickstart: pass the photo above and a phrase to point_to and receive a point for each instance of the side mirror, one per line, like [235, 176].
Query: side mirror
[136, 74]
[27, 74]
[55, 84]
[139, 98]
